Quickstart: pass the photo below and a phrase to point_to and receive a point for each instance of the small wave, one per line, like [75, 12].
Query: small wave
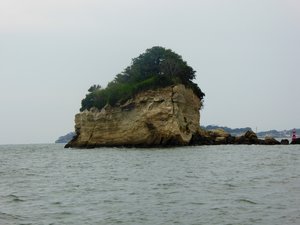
[197, 203]
[65, 213]
[6, 218]
[112, 201]
[167, 184]
[14, 198]
[56, 203]
[192, 176]
[230, 185]
[242, 200]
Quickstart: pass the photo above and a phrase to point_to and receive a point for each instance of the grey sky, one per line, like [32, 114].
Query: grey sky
[246, 54]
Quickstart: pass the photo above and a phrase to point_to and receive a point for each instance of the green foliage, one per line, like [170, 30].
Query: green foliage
[157, 67]
[94, 88]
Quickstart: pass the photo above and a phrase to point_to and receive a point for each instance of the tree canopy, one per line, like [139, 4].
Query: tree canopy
[157, 67]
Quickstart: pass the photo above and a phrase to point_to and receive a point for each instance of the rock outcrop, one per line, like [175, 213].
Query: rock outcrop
[271, 141]
[164, 117]
[285, 142]
[221, 137]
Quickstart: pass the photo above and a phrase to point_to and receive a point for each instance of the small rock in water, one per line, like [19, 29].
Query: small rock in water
[285, 142]
[271, 141]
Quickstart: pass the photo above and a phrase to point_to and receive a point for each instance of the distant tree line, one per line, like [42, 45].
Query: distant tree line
[156, 68]
[233, 131]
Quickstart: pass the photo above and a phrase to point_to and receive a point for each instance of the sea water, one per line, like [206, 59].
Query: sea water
[47, 184]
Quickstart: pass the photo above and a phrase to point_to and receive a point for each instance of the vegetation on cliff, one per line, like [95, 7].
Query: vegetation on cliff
[157, 67]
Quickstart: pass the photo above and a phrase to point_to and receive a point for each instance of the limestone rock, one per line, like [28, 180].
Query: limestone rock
[220, 133]
[167, 116]
[220, 136]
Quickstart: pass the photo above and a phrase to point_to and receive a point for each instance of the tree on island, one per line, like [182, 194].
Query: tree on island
[156, 68]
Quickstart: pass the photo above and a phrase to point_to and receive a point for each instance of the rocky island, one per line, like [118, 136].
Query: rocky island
[153, 102]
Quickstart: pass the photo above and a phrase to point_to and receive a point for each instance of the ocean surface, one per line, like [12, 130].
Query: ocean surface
[47, 184]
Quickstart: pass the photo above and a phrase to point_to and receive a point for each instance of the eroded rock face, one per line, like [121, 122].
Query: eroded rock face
[168, 116]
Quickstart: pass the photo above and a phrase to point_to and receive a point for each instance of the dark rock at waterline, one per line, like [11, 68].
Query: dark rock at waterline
[249, 138]
[201, 139]
[284, 142]
[215, 137]
[296, 142]
[250, 135]
[221, 137]
[271, 141]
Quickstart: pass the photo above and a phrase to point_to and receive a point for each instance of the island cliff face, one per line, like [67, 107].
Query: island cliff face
[163, 117]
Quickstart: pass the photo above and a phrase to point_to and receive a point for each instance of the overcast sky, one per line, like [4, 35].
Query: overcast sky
[246, 54]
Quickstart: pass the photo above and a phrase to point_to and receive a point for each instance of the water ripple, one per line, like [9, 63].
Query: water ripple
[247, 201]
[46, 184]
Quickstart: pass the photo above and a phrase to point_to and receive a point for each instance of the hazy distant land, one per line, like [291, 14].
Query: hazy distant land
[65, 138]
